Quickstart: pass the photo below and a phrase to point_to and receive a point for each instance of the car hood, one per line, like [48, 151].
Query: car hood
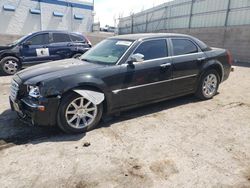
[56, 69]
[5, 47]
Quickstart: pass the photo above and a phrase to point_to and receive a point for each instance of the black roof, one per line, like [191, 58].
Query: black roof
[148, 36]
[56, 31]
[143, 36]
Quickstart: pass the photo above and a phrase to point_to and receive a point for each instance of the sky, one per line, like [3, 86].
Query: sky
[107, 10]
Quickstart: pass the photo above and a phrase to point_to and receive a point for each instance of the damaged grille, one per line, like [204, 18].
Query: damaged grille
[14, 90]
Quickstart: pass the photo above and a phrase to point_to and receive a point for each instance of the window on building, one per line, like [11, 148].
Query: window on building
[183, 46]
[153, 49]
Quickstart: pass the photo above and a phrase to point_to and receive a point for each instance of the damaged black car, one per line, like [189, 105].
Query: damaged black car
[118, 74]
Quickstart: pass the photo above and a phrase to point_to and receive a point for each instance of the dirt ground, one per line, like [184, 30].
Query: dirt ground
[178, 143]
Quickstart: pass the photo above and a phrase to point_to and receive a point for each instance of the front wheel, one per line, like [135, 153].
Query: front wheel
[77, 114]
[208, 85]
[9, 65]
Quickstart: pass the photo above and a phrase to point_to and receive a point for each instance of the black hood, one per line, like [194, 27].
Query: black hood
[6, 47]
[56, 69]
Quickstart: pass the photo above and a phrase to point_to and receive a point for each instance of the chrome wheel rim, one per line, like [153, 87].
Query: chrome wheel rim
[80, 113]
[209, 85]
[10, 67]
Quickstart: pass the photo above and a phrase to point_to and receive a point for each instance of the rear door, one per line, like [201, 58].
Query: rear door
[37, 50]
[187, 58]
[79, 43]
[60, 48]
[150, 79]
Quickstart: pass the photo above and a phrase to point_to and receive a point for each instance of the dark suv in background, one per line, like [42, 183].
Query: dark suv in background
[41, 47]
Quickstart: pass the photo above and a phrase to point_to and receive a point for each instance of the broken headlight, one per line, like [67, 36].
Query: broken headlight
[34, 91]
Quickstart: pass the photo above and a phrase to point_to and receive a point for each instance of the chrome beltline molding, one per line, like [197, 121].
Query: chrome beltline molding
[143, 85]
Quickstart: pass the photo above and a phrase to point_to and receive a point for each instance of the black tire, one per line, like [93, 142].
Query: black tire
[61, 119]
[3, 69]
[200, 93]
[76, 56]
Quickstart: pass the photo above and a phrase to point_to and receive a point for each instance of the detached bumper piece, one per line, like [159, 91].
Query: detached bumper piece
[41, 112]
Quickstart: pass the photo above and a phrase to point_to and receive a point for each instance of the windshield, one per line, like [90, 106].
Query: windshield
[19, 40]
[108, 51]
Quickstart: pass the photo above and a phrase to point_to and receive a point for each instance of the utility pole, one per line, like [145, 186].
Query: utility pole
[191, 14]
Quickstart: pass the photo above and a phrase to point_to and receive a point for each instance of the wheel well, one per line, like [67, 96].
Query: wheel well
[92, 88]
[10, 55]
[217, 68]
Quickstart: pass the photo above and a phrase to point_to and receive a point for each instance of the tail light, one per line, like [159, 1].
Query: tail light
[230, 57]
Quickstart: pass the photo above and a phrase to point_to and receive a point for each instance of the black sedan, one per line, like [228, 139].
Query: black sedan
[120, 73]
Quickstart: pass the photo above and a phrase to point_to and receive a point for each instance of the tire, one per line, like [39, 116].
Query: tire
[9, 65]
[65, 114]
[208, 85]
[76, 56]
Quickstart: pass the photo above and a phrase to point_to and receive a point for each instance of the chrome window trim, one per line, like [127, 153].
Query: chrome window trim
[197, 53]
[170, 54]
[153, 83]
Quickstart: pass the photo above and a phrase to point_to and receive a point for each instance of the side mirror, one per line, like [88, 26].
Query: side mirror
[27, 43]
[136, 58]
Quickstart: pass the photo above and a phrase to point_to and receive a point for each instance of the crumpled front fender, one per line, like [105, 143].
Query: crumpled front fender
[93, 96]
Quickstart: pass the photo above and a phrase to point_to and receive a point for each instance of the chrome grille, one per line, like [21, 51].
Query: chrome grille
[14, 88]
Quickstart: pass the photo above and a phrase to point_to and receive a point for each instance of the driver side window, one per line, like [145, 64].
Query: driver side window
[153, 49]
[40, 39]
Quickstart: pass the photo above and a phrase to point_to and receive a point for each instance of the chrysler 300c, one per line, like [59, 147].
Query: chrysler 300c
[119, 73]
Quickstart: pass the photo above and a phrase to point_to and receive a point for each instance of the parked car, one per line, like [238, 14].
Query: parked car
[41, 47]
[118, 74]
[108, 28]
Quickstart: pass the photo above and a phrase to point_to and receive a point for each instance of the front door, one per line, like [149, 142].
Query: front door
[148, 80]
[36, 49]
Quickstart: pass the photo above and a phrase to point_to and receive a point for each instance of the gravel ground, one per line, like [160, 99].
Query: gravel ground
[178, 143]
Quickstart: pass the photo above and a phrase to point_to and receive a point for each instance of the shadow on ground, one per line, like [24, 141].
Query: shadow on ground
[15, 132]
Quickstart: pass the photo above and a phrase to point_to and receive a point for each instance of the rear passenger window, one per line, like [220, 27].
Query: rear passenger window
[153, 49]
[76, 38]
[61, 37]
[40, 39]
[183, 46]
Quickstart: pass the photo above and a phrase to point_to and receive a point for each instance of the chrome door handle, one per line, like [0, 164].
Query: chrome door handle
[201, 59]
[165, 65]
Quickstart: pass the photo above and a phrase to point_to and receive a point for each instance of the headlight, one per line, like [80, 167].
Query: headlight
[34, 91]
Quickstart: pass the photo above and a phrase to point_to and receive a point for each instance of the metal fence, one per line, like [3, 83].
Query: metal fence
[180, 14]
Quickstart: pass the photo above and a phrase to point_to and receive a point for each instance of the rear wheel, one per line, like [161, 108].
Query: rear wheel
[208, 85]
[77, 114]
[9, 65]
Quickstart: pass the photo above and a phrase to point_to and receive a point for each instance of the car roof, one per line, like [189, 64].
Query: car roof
[56, 31]
[144, 36]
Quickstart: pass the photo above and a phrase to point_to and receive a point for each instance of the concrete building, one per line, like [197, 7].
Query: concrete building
[20, 17]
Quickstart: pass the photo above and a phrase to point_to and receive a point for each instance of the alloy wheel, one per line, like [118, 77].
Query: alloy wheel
[209, 86]
[80, 113]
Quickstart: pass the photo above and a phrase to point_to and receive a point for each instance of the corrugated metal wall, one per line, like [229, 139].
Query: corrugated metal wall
[188, 14]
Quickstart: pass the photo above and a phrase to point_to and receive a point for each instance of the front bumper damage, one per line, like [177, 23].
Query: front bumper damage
[41, 112]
